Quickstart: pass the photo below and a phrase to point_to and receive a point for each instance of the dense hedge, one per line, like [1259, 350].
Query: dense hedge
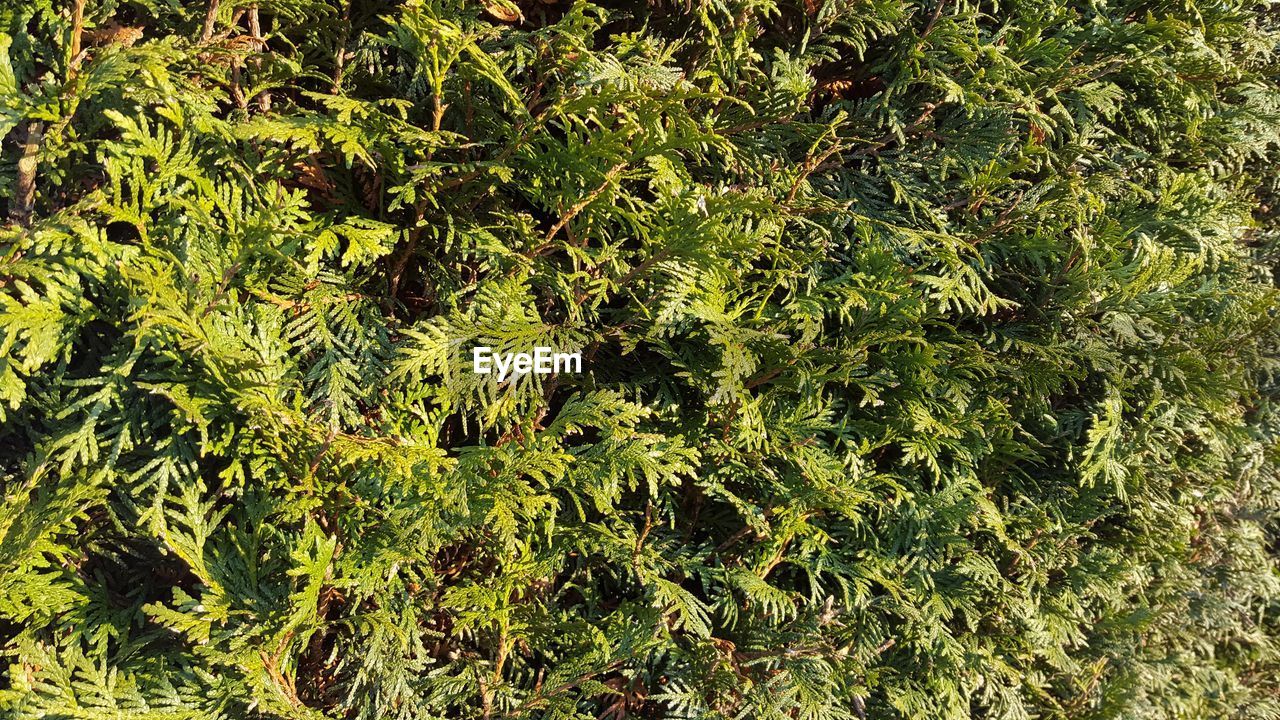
[928, 359]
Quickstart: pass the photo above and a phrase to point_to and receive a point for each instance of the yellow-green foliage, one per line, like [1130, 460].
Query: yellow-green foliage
[928, 359]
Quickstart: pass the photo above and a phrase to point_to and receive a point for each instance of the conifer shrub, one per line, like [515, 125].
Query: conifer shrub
[927, 348]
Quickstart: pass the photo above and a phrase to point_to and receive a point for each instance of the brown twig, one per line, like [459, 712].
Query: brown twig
[223, 285]
[77, 30]
[237, 95]
[584, 202]
[775, 372]
[498, 664]
[437, 112]
[24, 195]
[401, 260]
[1003, 219]
[644, 532]
[282, 682]
[340, 59]
[286, 304]
[314, 464]
[652, 260]
[741, 533]
[255, 29]
[210, 19]
[236, 16]
[933, 20]
[810, 164]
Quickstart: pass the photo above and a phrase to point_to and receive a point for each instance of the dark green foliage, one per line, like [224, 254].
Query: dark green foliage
[929, 358]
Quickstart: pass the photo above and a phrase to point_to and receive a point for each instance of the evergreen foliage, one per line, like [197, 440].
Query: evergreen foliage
[929, 354]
